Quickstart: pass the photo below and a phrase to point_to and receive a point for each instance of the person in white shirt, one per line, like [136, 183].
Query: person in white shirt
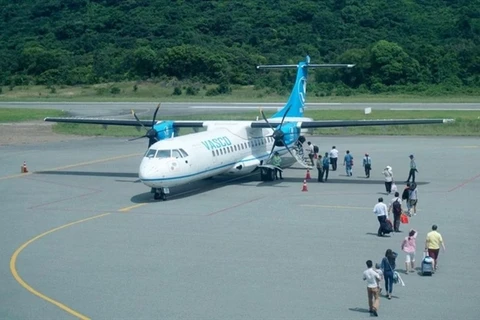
[388, 173]
[381, 211]
[333, 158]
[372, 278]
[309, 152]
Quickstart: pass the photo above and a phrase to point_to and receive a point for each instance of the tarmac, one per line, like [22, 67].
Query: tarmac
[83, 238]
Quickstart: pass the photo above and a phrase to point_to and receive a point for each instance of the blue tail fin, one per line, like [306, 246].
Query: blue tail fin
[296, 102]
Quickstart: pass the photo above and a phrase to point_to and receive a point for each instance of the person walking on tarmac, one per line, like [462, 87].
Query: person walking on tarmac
[367, 164]
[334, 158]
[319, 165]
[413, 169]
[326, 166]
[348, 163]
[277, 162]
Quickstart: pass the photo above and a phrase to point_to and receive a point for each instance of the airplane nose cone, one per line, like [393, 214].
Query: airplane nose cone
[148, 170]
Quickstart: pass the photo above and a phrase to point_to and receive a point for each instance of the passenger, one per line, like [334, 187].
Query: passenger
[319, 165]
[388, 173]
[310, 152]
[409, 247]
[388, 268]
[412, 198]
[395, 208]
[326, 166]
[380, 211]
[367, 165]
[333, 158]
[432, 245]
[373, 279]
[348, 163]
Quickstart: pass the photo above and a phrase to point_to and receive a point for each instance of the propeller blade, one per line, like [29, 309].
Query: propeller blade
[285, 114]
[265, 118]
[271, 152]
[138, 120]
[136, 138]
[288, 149]
[155, 115]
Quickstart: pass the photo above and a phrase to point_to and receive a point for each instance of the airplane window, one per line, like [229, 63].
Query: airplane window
[221, 151]
[235, 147]
[184, 154]
[163, 154]
[176, 154]
[213, 153]
[218, 153]
[249, 144]
[231, 149]
[150, 153]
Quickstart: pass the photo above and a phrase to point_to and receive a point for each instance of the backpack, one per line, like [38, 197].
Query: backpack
[397, 207]
[315, 149]
[405, 194]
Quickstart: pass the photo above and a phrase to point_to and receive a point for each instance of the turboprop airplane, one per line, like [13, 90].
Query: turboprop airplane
[230, 147]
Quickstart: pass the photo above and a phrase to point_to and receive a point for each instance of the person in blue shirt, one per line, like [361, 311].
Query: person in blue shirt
[326, 166]
[348, 163]
[367, 164]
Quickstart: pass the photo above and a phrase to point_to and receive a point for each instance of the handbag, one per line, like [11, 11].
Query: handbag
[404, 218]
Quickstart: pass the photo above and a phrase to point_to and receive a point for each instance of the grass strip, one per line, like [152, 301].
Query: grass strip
[18, 115]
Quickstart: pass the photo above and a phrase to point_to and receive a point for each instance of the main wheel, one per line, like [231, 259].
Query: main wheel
[157, 196]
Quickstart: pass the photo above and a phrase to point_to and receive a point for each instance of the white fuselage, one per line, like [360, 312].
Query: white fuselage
[236, 150]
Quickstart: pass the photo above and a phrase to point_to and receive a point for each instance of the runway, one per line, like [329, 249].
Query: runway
[105, 109]
[82, 238]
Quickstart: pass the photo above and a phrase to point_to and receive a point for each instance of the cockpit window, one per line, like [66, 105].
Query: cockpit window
[176, 154]
[150, 153]
[163, 154]
[184, 153]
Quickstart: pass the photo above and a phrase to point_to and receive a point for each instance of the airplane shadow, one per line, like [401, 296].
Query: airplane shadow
[363, 181]
[196, 188]
[89, 173]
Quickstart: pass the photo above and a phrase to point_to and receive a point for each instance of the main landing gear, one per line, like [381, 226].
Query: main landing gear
[160, 193]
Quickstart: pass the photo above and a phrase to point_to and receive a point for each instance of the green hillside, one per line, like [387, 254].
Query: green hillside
[398, 46]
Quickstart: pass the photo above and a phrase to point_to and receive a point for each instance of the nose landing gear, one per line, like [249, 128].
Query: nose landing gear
[160, 193]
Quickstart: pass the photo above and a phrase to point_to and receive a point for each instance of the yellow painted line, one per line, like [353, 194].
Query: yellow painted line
[74, 165]
[13, 267]
[131, 207]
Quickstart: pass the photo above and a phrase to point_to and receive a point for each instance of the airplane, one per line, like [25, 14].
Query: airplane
[231, 147]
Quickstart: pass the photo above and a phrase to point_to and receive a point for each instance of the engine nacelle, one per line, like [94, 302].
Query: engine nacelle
[165, 130]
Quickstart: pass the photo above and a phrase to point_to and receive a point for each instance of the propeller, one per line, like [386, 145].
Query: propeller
[278, 135]
[151, 133]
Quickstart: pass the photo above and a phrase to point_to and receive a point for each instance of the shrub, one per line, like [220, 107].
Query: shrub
[114, 90]
[177, 91]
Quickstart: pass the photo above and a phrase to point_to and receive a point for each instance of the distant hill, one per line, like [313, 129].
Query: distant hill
[394, 43]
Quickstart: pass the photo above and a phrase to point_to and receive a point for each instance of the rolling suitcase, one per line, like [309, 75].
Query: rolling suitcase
[427, 265]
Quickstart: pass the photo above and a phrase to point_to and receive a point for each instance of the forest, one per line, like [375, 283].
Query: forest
[397, 46]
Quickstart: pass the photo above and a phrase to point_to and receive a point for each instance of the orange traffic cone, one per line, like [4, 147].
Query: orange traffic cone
[23, 169]
[308, 175]
[305, 188]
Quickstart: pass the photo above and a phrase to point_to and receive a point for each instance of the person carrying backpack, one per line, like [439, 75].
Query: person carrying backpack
[396, 208]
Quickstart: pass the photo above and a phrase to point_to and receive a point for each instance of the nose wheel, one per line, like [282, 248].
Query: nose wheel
[160, 193]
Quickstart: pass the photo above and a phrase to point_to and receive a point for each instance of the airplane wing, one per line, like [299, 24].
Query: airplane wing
[120, 122]
[358, 123]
